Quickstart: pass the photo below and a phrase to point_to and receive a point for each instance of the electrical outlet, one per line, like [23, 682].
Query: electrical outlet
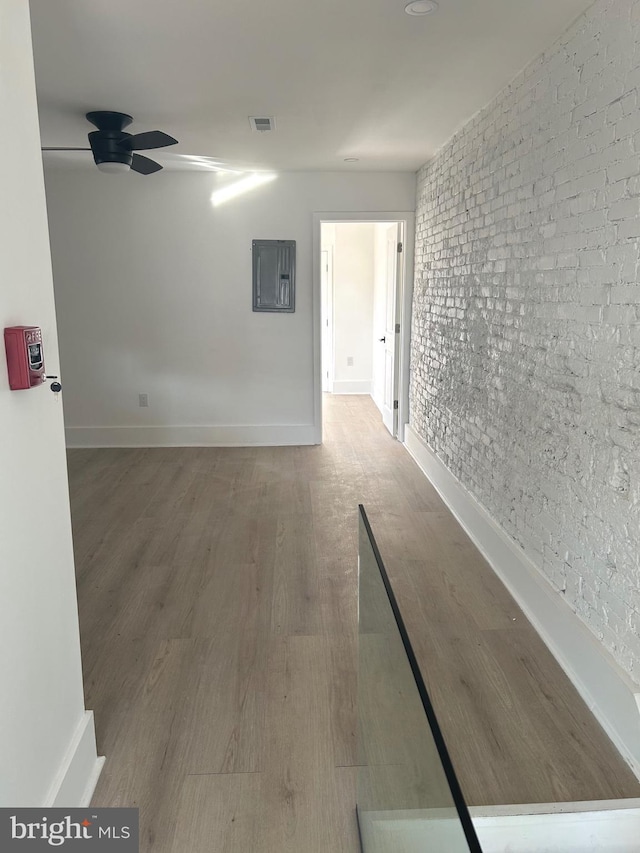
[349, 361]
[143, 401]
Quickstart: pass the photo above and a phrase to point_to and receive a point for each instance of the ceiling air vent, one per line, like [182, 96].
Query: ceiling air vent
[262, 123]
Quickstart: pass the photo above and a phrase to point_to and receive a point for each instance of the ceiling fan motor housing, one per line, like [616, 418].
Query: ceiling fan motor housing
[106, 147]
[106, 140]
[108, 120]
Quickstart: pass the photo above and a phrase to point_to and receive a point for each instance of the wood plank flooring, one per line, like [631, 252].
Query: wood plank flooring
[217, 595]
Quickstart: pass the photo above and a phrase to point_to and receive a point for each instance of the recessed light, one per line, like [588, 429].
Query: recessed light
[421, 7]
[351, 159]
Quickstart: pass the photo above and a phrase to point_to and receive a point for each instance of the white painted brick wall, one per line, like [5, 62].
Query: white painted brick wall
[526, 320]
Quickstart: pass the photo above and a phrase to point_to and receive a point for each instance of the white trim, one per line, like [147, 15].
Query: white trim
[379, 408]
[327, 322]
[609, 692]
[356, 387]
[405, 315]
[518, 809]
[268, 435]
[80, 769]
[407, 218]
[552, 827]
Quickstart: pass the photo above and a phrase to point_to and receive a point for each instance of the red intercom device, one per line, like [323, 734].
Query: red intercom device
[25, 357]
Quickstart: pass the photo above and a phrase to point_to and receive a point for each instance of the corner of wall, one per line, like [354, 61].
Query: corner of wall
[80, 769]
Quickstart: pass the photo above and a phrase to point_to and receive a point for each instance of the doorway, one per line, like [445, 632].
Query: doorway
[364, 276]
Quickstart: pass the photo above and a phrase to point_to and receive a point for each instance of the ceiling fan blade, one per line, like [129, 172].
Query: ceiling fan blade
[143, 165]
[54, 148]
[145, 141]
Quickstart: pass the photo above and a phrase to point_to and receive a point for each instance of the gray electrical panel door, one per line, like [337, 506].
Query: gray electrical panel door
[274, 275]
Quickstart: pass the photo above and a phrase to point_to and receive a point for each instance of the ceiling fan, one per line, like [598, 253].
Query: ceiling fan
[114, 150]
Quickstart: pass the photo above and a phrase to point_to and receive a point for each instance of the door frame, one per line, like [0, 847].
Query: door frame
[404, 300]
[327, 329]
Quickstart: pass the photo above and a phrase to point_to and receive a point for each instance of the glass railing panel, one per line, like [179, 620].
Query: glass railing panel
[409, 800]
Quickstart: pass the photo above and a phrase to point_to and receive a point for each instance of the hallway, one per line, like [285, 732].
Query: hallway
[217, 598]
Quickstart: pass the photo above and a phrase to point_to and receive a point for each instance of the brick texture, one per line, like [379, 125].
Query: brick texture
[526, 316]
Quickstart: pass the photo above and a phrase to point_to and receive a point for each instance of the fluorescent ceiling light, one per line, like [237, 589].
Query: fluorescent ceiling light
[421, 7]
[239, 187]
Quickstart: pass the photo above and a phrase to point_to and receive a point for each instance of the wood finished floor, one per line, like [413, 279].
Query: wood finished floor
[217, 599]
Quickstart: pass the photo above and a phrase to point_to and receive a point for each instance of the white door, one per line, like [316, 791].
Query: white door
[391, 337]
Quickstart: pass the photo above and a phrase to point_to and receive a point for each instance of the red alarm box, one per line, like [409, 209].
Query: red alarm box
[25, 357]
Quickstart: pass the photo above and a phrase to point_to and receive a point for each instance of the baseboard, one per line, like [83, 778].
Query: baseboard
[78, 775]
[609, 692]
[351, 387]
[269, 435]
[379, 401]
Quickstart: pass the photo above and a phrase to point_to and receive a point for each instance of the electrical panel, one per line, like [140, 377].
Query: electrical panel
[274, 275]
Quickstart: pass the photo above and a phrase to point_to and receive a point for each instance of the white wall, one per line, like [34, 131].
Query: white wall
[153, 287]
[351, 244]
[42, 705]
[526, 336]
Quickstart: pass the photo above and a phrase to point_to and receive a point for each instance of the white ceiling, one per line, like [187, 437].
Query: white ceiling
[343, 78]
